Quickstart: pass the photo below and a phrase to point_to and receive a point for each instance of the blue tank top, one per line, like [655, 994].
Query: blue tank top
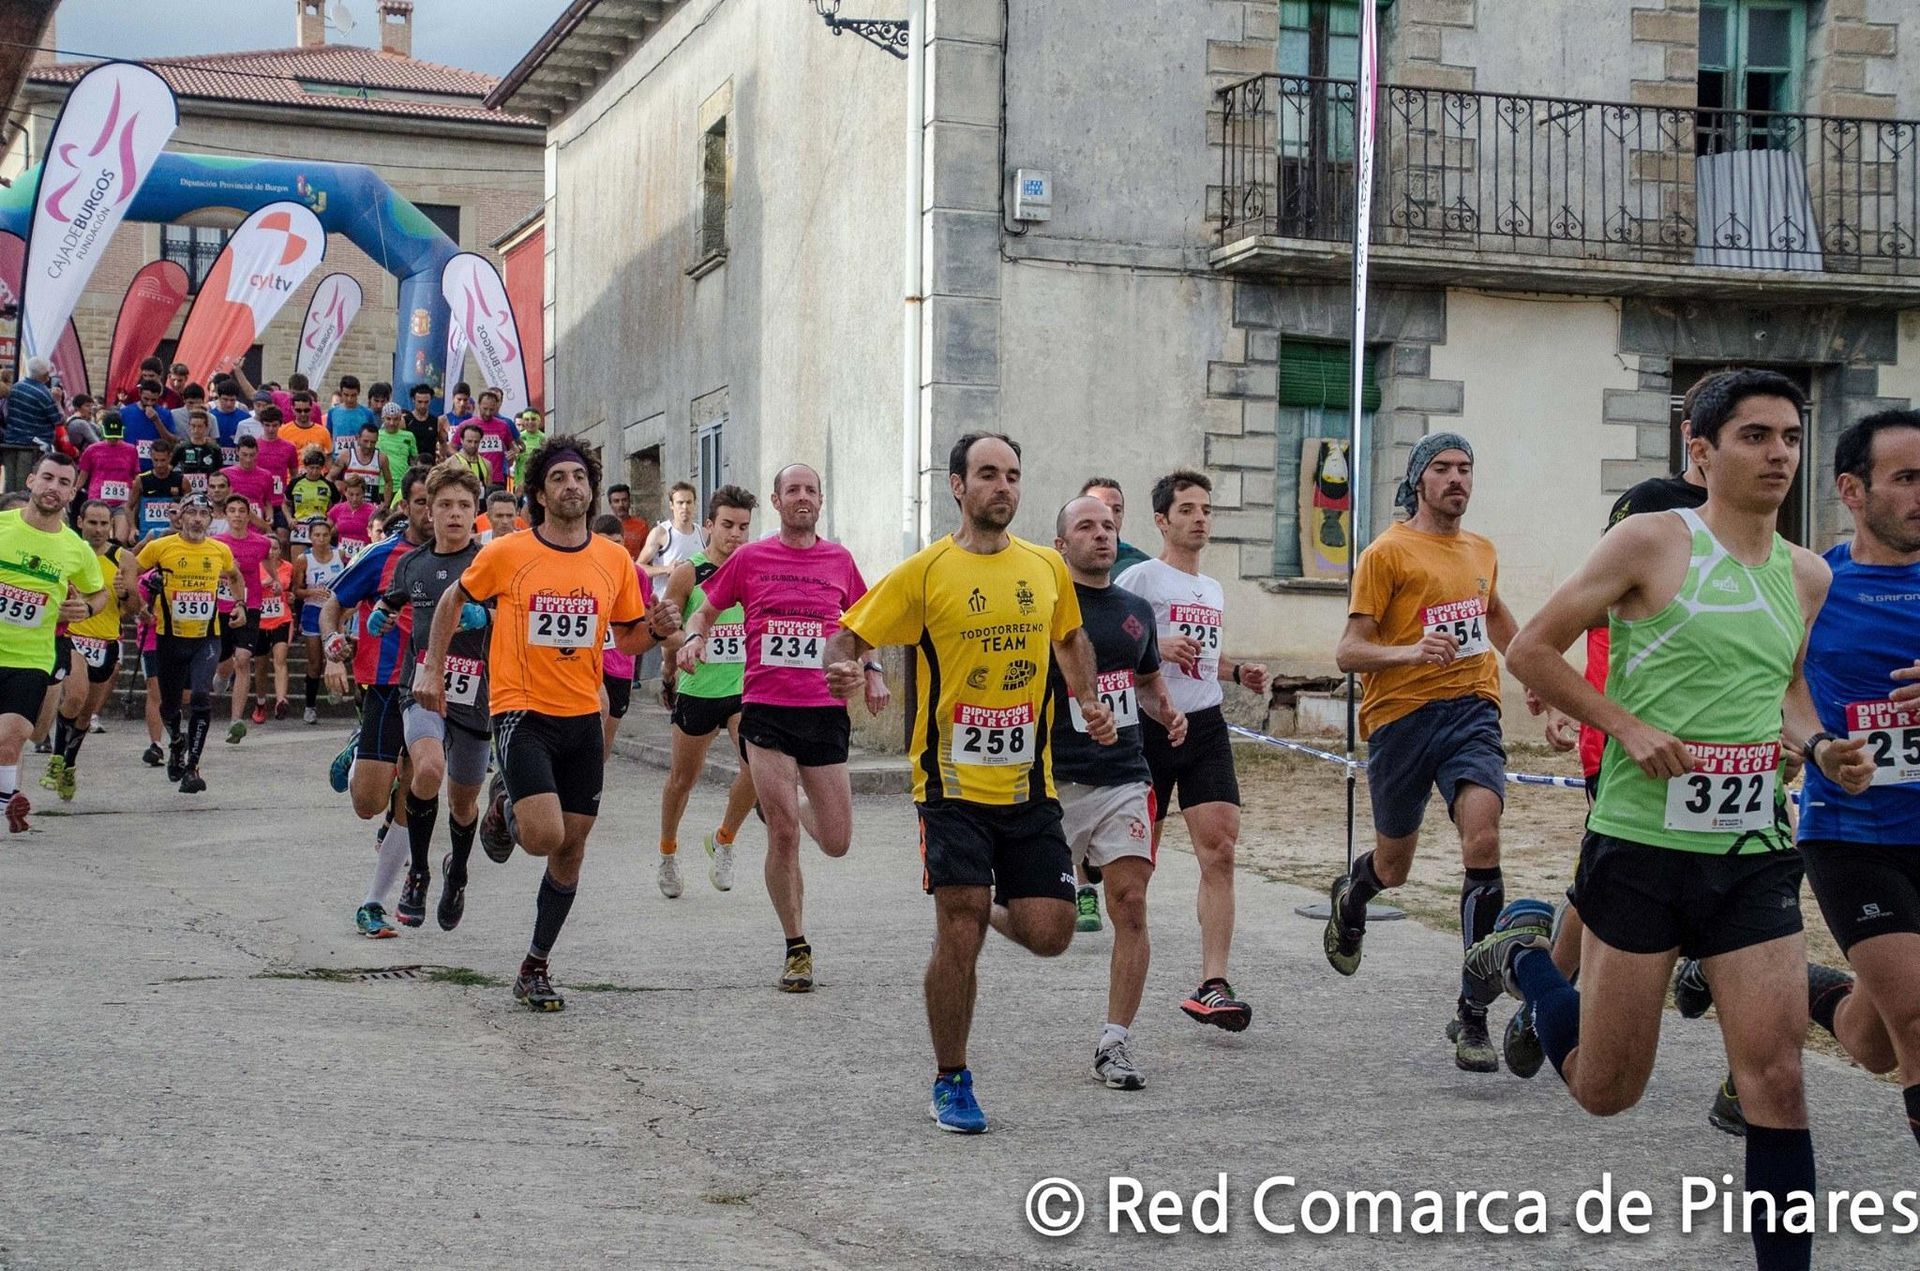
[1868, 629]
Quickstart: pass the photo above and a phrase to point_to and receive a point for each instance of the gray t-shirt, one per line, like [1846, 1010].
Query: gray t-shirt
[420, 580]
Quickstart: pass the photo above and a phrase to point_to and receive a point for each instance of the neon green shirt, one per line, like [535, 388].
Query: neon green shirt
[402, 452]
[35, 568]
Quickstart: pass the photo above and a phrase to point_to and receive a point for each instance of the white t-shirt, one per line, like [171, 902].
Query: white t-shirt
[250, 427]
[1189, 605]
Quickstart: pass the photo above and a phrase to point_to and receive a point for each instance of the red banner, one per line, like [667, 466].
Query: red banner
[68, 363]
[153, 298]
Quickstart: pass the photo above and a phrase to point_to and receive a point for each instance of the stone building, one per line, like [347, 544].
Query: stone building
[1580, 209]
[475, 172]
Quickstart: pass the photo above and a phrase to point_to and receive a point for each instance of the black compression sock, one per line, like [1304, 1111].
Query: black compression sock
[1779, 1162]
[1482, 896]
[1366, 885]
[75, 735]
[1912, 1096]
[1823, 1008]
[462, 845]
[62, 730]
[198, 723]
[313, 691]
[797, 942]
[550, 914]
[422, 816]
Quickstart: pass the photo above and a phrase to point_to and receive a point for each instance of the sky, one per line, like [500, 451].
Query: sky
[477, 35]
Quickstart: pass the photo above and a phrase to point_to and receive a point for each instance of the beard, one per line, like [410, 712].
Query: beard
[1890, 527]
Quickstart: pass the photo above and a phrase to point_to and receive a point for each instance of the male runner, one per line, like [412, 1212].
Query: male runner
[1426, 616]
[633, 529]
[555, 590]
[1189, 610]
[988, 613]
[792, 589]
[181, 576]
[1108, 491]
[198, 456]
[1106, 792]
[675, 539]
[707, 698]
[1686, 852]
[157, 494]
[314, 572]
[429, 437]
[48, 575]
[499, 438]
[96, 650]
[109, 470]
[249, 556]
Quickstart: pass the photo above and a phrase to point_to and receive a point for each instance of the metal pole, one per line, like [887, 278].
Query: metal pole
[912, 446]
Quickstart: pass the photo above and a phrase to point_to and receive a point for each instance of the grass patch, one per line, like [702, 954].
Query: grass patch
[190, 979]
[465, 977]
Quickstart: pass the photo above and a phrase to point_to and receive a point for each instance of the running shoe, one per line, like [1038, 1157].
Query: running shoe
[235, 733]
[669, 879]
[412, 908]
[177, 761]
[1113, 1064]
[719, 864]
[1086, 903]
[534, 990]
[495, 839]
[98, 727]
[259, 713]
[954, 1109]
[43, 747]
[1725, 1114]
[1472, 1048]
[453, 895]
[1823, 984]
[1341, 942]
[69, 784]
[1213, 1003]
[279, 708]
[341, 769]
[192, 782]
[1521, 1045]
[17, 809]
[309, 716]
[55, 767]
[1692, 995]
[1523, 924]
[373, 924]
[798, 975]
[153, 756]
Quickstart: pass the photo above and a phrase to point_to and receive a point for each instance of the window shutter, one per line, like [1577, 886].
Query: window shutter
[1318, 375]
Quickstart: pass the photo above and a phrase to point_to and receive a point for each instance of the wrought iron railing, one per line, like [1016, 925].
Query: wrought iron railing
[1538, 176]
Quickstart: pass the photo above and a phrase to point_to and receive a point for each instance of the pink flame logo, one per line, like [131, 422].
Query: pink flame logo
[64, 152]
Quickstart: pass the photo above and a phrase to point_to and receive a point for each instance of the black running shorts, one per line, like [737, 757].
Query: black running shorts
[1019, 850]
[383, 737]
[815, 736]
[619, 694]
[109, 666]
[703, 716]
[1644, 899]
[1200, 768]
[1864, 889]
[552, 754]
[22, 690]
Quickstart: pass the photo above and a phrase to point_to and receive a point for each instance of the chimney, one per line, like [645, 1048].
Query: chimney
[310, 23]
[396, 27]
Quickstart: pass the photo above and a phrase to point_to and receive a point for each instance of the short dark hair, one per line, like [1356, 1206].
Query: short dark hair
[226, 386]
[621, 488]
[379, 388]
[730, 496]
[350, 381]
[151, 386]
[503, 495]
[298, 382]
[80, 401]
[957, 457]
[1853, 453]
[269, 415]
[57, 459]
[555, 451]
[1699, 386]
[302, 395]
[1167, 487]
[1723, 394]
[676, 487]
[471, 428]
[1102, 483]
[153, 364]
[416, 475]
[160, 446]
[192, 391]
[248, 442]
[372, 428]
[239, 498]
[418, 389]
[607, 523]
[462, 387]
[91, 504]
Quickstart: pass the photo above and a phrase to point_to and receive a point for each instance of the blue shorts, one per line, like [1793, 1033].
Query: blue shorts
[1442, 744]
[309, 620]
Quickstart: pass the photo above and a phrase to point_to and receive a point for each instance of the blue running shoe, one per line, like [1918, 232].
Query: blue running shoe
[342, 766]
[953, 1108]
[373, 924]
[1524, 924]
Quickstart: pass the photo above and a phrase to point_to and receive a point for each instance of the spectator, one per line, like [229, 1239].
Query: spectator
[251, 425]
[31, 414]
[174, 395]
[228, 414]
[81, 430]
[306, 429]
[193, 397]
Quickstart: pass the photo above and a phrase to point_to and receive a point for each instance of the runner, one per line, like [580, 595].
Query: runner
[198, 458]
[247, 478]
[181, 576]
[249, 552]
[276, 626]
[1108, 491]
[533, 435]
[428, 437]
[1426, 617]
[397, 444]
[707, 698]
[499, 438]
[109, 469]
[675, 540]
[308, 498]
[468, 452]
[346, 420]
[792, 589]
[281, 459]
[158, 493]
[555, 590]
[364, 459]
[95, 642]
[145, 418]
[306, 432]
[352, 517]
[1189, 610]
[1686, 852]
[313, 575]
[633, 529]
[988, 612]
[503, 514]
[1106, 793]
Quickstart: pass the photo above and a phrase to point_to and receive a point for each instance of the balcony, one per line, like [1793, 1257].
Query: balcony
[1514, 192]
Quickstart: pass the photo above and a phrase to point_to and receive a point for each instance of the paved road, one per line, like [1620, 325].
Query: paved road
[177, 1090]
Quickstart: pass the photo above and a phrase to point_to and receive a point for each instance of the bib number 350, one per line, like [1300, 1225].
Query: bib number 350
[1729, 790]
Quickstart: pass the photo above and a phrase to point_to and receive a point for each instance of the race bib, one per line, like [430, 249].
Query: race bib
[1730, 789]
[92, 649]
[301, 533]
[1464, 620]
[727, 644]
[563, 622]
[1117, 694]
[193, 606]
[1892, 733]
[349, 548]
[224, 592]
[21, 608]
[272, 608]
[145, 448]
[1201, 624]
[196, 481]
[279, 487]
[463, 679]
[115, 491]
[158, 514]
[800, 644]
[992, 738]
[493, 444]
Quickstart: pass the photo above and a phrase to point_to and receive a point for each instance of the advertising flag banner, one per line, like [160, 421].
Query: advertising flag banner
[68, 362]
[262, 265]
[483, 322]
[153, 298]
[331, 311]
[112, 128]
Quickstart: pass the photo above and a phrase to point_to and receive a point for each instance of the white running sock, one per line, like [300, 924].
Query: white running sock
[395, 852]
[9, 780]
[1112, 1033]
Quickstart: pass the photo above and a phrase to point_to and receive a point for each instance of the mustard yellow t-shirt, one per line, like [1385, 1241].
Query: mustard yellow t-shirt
[1410, 583]
[190, 576]
[984, 628]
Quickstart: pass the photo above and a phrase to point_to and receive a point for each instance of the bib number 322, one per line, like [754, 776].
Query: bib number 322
[1730, 789]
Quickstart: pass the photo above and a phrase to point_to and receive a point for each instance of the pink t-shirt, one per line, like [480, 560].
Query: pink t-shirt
[350, 523]
[280, 458]
[109, 469]
[496, 435]
[249, 554]
[256, 486]
[613, 663]
[793, 600]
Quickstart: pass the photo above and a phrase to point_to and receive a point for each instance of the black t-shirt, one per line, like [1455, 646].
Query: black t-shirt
[201, 460]
[171, 486]
[426, 435]
[1125, 648]
[420, 581]
[1657, 494]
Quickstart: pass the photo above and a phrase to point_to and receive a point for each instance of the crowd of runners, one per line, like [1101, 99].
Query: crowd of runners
[1065, 697]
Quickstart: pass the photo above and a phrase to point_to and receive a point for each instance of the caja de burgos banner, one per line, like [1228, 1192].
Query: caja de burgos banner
[263, 264]
[482, 320]
[113, 126]
[336, 301]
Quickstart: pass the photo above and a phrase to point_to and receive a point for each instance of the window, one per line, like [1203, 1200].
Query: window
[194, 248]
[710, 461]
[713, 189]
[1795, 513]
[1751, 53]
[445, 216]
[1315, 393]
[1319, 41]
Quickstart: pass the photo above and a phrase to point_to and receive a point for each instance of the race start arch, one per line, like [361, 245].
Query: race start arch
[349, 199]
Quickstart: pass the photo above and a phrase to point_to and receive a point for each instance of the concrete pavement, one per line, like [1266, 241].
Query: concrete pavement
[179, 1087]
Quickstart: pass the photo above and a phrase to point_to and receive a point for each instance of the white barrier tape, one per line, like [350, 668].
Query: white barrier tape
[1359, 765]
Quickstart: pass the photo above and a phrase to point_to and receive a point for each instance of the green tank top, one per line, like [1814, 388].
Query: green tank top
[1711, 669]
[723, 670]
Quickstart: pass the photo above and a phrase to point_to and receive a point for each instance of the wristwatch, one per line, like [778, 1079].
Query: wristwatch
[1807, 748]
[875, 667]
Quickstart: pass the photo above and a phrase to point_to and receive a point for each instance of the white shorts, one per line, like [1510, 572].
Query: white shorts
[1105, 823]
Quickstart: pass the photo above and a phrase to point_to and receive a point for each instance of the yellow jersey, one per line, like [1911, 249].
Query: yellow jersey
[190, 575]
[104, 625]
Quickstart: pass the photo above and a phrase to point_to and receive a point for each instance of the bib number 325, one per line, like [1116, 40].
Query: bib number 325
[1730, 789]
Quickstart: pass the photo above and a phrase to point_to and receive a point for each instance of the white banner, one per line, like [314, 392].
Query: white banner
[482, 318]
[112, 128]
[256, 273]
[335, 303]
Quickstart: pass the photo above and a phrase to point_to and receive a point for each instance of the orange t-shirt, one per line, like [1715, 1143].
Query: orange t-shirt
[276, 608]
[550, 621]
[633, 534]
[1410, 583]
[316, 435]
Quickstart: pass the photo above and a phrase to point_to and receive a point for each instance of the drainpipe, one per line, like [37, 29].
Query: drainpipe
[914, 442]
